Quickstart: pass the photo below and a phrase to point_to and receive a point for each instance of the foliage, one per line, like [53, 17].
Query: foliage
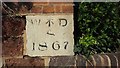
[99, 28]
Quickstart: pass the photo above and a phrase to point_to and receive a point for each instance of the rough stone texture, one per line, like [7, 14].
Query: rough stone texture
[113, 60]
[81, 61]
[89, 62]
[105, 60]
[12, 47]
[12, 26]
[117, 55]
[24, 63]
[62, 62]
[98, 61]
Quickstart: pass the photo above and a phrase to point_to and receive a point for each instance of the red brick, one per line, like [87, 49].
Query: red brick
[36, 9]
[40, 3]
[65, 1]
[60, 2]
[12, 47]
[58, 8]
[12, 26]
[24, 63]
[67, 9]
[48, 9]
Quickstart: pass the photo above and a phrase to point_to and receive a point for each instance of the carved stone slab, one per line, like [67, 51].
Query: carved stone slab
[49, 35]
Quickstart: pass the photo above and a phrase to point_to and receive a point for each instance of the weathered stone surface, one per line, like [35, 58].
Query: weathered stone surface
[105, 61]
[90, 62]
[12, 47]
[113, 60]
[49, 35]
[12, 26]
[117, 56]
[98, 60]
[95, 61]
[1, 62]
[62, 62]
[24, 63]
[81, 61]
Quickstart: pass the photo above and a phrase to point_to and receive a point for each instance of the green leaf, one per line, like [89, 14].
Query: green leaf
[88, 21]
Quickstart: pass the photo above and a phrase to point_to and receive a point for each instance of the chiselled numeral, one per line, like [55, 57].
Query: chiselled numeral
[66, 43]
[56, 45]
[42, 47]
[33, 46]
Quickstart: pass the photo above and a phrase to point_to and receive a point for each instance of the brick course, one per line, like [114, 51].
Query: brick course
[12, 47]
[24, 63]
[12, 26]
[12, 41]
[48, 9]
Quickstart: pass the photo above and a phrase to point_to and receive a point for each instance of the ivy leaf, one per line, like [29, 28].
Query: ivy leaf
[88, 21]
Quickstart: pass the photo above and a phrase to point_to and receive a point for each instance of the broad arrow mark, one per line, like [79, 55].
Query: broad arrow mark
[49, 22]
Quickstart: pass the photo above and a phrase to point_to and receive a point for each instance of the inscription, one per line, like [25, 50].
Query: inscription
[55, 45]
[49, 22]
[49, 35]
[63, 22]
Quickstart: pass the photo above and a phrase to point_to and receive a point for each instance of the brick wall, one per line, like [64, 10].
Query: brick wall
[13, 29]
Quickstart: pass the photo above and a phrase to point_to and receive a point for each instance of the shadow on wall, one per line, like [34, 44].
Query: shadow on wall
[15, 7]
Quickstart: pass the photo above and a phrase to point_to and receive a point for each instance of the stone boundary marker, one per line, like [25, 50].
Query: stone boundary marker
[49, 35]
[13, 41]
